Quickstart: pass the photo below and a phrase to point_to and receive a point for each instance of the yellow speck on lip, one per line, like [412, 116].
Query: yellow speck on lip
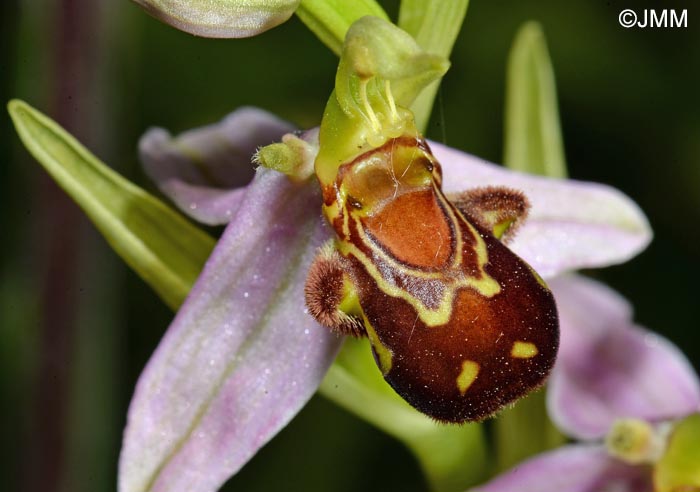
[539, 279]
[470, 370]
[523, 350]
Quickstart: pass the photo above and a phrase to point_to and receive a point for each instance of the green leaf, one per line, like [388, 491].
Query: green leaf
[533, 141]
[434, 24]
[453, 457]
[165, 249]
[524, 430]
[329, 20]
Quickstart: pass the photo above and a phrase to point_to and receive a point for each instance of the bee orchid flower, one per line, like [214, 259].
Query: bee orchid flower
[243, 355]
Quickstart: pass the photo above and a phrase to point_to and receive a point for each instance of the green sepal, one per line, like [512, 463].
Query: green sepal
[434, 24]
[679, 468]
[159, 244]
[330, 20]
[533, 141]
[381, 72]
[453, 458]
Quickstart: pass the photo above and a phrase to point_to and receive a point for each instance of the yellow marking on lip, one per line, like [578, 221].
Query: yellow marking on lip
[470, 370]
[523, 350]
[456, 216]
[384, 353]
[487, 286]
[539, 279]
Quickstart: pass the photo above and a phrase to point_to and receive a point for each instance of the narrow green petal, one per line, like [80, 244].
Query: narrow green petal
[452, 457]
[165, 249]
[533, 144]
[329, 20]
[533, 141]
[434, 24]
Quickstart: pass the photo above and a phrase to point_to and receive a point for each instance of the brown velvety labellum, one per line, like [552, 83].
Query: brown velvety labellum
[460, 325]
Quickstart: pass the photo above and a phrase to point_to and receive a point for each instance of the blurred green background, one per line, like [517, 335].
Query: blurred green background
[76, 326]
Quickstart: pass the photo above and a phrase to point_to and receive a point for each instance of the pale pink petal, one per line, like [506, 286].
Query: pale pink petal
[609, 368]
[572, 224]
[201, 169]
[241, 357]
[575, 468]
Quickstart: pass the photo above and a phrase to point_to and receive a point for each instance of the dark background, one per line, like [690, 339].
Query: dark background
[76, 326]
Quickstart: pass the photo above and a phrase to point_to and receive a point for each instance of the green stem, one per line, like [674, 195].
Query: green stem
[524, 430]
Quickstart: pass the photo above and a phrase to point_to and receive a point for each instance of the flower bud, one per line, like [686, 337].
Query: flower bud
[221, 18]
